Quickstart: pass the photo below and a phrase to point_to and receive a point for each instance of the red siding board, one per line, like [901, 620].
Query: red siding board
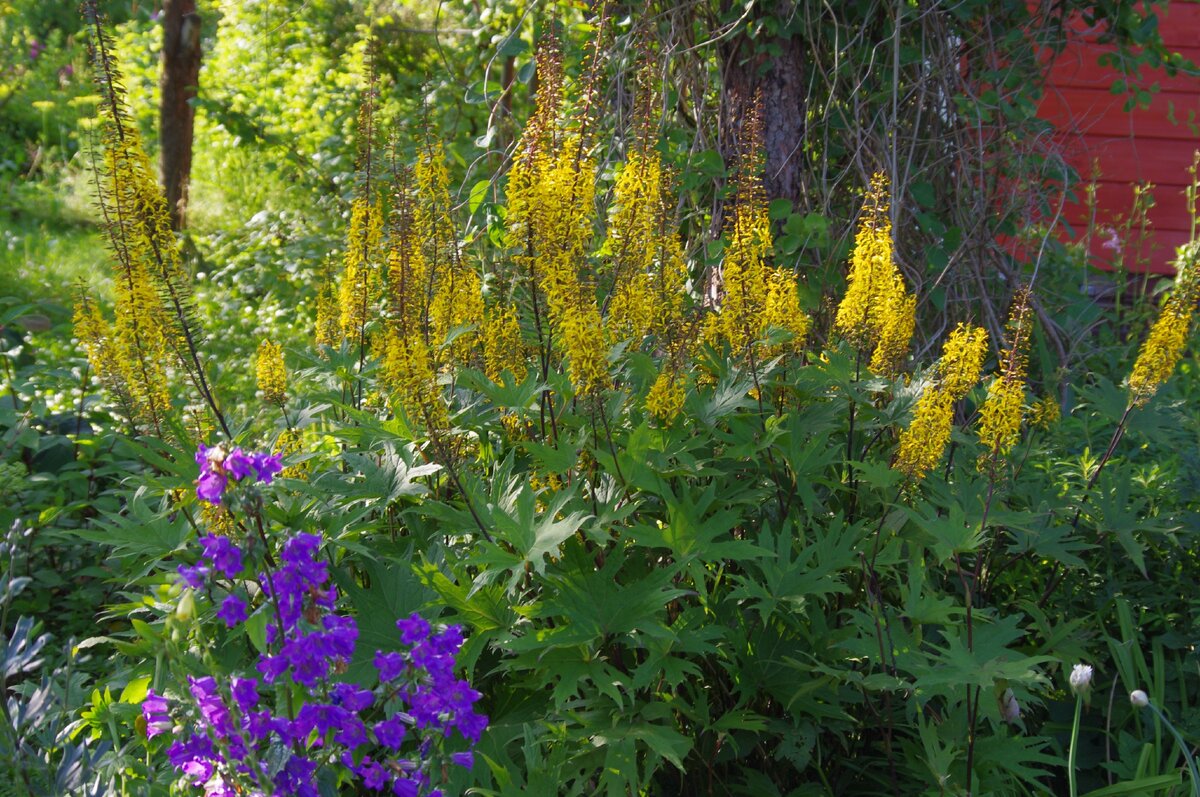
[1142, 145]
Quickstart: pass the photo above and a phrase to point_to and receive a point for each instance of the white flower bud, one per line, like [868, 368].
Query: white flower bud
[1139, 699]
[1010, 709]
[1081, 678]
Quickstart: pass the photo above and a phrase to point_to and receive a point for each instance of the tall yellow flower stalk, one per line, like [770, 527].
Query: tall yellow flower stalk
[753, 295]
[1164, 345]
[877, 312]
[271, 373]
[153, 329]
[551, 194]
[503, 348]
[362, 280]
[1001, 414]
[924, 441]
[456, 292]
[361, 284]
[649, 275]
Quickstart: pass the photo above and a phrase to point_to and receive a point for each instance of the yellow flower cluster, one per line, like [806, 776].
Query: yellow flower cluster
[665, 399]
[1164, 345]
[877, 310]
[152, 329]
[408, 372]
[753, 295]
[962, 360]
[1000, 416]
[271, 373]
[958, 370]
[783, 310]
[897, 322]
[503, 348]
[1044, 413]
[361, 283]
[649, 273]
[551, 191]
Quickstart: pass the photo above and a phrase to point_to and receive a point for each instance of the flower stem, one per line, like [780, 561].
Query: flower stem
[1074, 789]
[1191, 762]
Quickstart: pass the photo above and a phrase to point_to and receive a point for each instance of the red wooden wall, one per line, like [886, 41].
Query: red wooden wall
[1142, 145]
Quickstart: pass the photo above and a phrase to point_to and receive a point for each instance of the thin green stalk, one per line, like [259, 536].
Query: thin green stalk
[1187, 754]
[1074, 789]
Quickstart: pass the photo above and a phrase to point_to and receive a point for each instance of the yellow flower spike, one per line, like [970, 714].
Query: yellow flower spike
[873, 274]
[361, 283]
[1000, 418]
[271, 372]
[665, 399]
[898, 320]
[1001, 414]
[924, 441]
[962, 360]
[1044, 413]
[503, 348]
[1165, 344]
[411, 380]
[783, 310]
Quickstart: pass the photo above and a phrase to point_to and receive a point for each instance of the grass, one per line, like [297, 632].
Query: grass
[48, 243]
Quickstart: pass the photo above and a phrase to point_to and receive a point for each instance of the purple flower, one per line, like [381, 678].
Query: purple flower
[210, 486]
[413, 629]
[406, 787]
[266, 466]
[245, 693]
[352, 697]
[195, 576]
[297, 778]
[238, 464]
[194, 756]
[225, 557]
[390, 732]
[472, 725]
[373, 775]
[232, 611]
[219, 788]
[212, 707]
[154, 711]
[35, 49]
[465, 760]
[390, 665]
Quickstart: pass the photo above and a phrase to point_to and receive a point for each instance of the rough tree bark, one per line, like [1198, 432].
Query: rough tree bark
[775, 70]
[180, 79]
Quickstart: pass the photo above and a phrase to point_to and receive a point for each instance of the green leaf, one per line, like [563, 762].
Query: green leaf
[135, 690]
[1146, 786]
[479, 193]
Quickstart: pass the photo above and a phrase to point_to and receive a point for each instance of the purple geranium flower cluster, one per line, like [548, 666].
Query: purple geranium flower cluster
[218, 466]
[389, 736]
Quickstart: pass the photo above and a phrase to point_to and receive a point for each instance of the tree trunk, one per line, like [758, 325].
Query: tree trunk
[180, 79]
[774, 70]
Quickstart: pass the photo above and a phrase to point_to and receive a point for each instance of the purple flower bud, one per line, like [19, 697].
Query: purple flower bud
[465, 760]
